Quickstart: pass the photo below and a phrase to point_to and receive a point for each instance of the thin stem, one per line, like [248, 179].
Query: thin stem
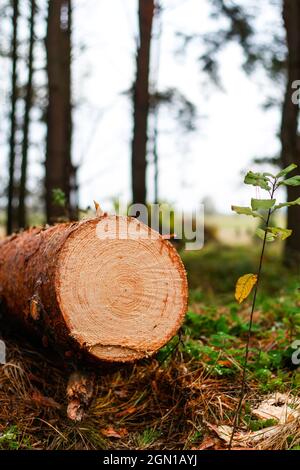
[243, 386]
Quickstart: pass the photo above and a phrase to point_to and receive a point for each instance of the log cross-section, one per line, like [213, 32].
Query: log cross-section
[109, 287]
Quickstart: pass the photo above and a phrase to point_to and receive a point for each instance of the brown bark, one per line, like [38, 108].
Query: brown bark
[22, 219]
[141, 103]
[59, 169]
[290, 115]
[10, 222]
[87, 289]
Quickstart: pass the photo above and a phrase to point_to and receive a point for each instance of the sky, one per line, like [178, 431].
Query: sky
[232, 127]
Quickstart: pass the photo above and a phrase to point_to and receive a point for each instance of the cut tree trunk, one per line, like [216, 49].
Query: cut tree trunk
[108, 288]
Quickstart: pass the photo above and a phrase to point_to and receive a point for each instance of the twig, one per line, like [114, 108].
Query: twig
[243, 386]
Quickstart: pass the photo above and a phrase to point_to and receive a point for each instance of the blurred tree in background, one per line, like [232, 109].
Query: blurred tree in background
[141, 103]
[276, 52]
[290, 120]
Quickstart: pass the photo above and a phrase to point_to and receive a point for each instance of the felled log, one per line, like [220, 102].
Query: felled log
[80, 390]
[109, 288]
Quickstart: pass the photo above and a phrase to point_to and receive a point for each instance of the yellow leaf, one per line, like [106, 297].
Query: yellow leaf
[244, 286]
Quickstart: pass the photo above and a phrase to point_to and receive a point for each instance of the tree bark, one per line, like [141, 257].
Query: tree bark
[289, 126]
[10, 222]
[141, 103]
[59, 169]
[108, 289]
[22, 219]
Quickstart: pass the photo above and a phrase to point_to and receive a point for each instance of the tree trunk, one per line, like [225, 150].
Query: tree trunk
[22, 219]
[289, 127]
[141, 103]
[59, 169]
[109, 288]
[10, 222]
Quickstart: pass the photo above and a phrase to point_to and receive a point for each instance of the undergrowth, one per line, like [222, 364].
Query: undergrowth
[171, 401]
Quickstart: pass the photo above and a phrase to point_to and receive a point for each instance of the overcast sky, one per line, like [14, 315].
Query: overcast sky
[232, 126]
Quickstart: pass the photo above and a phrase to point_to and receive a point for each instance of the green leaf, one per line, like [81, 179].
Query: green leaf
[288, 204]
[294, 181]
[264, 204]
[246, 211]
[257, 179]
[286, 170]
[261, 234]
[282, 233]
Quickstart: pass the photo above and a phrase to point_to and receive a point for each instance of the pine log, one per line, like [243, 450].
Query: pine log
[109, 288]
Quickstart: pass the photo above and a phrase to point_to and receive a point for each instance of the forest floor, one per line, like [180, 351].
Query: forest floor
[183, 398]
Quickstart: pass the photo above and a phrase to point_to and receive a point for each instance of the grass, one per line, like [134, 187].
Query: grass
[171, 401]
